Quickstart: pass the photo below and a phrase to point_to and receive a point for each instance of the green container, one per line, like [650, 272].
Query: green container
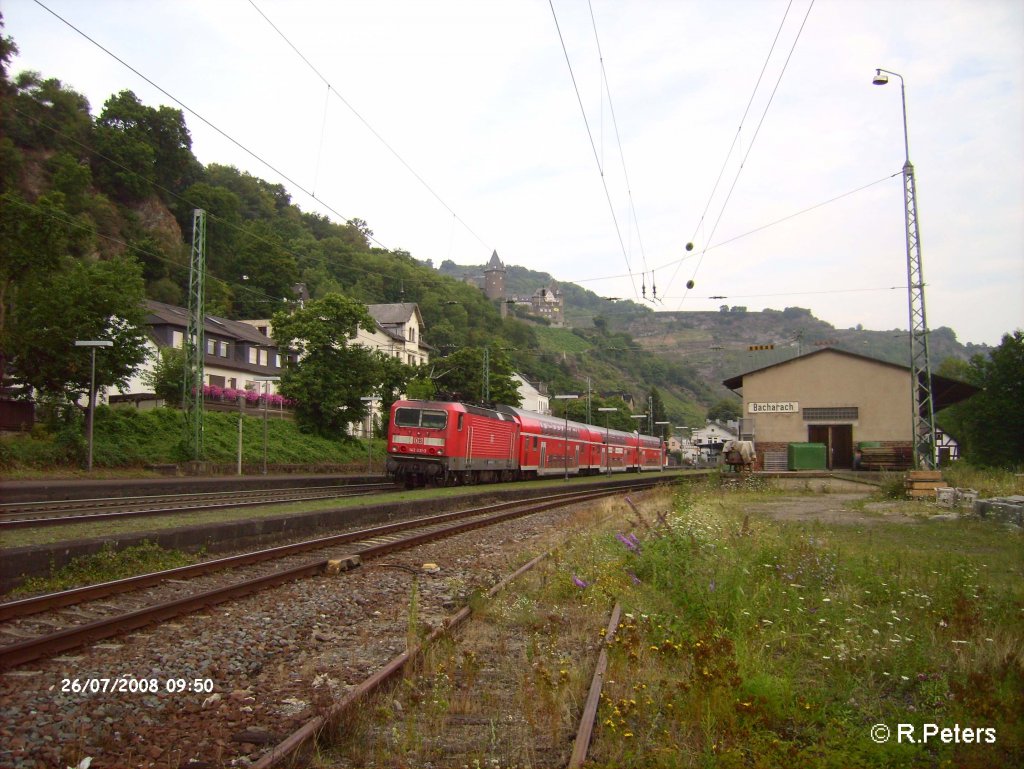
[869, 445]
[805, 456]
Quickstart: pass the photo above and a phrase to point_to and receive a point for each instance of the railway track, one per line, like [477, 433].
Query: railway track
[36, 514]
[50, 624]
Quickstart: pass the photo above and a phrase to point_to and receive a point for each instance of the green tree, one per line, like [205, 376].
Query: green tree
[725, 409]
[990, 425]
[80, 300]
[331, 375]
[168, 375]
[33, 237]
[269, 269]
[142, 150]
[460, 377]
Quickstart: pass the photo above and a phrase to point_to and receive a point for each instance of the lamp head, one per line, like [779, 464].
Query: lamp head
[880, 79]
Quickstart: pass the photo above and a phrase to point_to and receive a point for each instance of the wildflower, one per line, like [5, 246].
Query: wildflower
[633, 576]
[579, 582]
[625, 541]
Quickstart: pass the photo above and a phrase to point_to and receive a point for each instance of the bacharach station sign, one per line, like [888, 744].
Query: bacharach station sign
[792, 407]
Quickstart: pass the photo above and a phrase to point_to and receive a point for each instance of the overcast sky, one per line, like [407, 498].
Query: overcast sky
[477, 99]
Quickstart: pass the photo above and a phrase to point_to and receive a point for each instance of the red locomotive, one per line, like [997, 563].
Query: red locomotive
[445, 443]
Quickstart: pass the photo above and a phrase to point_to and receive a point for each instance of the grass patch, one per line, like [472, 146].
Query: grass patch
[130, 438]
[751, 642]
[105, 566]
[988, 482]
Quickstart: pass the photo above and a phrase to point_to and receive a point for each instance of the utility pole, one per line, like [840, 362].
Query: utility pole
[920, 365]
[195, 339]
[485, 394]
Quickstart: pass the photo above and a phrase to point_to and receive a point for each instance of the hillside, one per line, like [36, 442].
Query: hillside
[716, 343]
[97, 215]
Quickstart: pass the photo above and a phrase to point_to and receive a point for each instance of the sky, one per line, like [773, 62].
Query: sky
[595, 140]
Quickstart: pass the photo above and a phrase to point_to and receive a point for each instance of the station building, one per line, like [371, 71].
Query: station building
[833, 397]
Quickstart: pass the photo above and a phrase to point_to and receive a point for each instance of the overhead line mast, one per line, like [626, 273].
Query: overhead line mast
[195, 339]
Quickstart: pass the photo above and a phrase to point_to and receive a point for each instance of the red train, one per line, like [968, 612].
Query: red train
[444, 443]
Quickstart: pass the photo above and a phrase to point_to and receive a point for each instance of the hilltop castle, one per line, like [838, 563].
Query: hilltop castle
[547, 302]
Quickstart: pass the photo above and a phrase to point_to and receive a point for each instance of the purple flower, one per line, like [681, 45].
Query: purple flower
[579, 582]
[633, 576]
[625, 541]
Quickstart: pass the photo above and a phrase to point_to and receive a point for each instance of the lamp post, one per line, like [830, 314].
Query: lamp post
[565, 432]
[369, 401]
[662, 442]
[607, 447]
[92, 344]
[920, 366]
[266, 400]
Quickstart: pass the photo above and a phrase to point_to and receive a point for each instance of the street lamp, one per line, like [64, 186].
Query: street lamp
[369, 401]
[266, 400]
[607, 447]
[92, 344]
[565, 433]
[920, 367]
[662, 442]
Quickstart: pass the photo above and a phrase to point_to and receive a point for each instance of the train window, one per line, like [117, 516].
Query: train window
[461, 416]
[407, 417]
[435, 419]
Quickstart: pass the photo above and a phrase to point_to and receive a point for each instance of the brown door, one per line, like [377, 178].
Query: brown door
[838, 440]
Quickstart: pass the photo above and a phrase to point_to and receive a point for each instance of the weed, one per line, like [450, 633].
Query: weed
[106, 565]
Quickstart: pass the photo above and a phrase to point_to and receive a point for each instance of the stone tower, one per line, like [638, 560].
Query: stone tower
[494, 279]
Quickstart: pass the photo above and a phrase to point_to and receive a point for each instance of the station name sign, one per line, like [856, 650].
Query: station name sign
[792, 407]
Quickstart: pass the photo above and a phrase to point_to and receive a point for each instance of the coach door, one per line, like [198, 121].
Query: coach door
[838, 440]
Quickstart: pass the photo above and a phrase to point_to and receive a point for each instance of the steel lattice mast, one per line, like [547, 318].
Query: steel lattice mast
[923, 406]
[920, 364]
[195, 339]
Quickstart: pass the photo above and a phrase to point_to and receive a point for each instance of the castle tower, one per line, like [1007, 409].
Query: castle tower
[494, 279]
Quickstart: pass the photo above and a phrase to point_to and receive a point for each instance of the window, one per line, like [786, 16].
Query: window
[429, 418]
[412, 333]
[211, 346]
[222, 349]
[832, 414]
[177, 339]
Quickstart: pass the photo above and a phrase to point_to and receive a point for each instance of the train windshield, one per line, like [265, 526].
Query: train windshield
[430, 418]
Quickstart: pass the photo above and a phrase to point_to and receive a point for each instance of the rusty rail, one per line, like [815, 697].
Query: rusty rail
[586, 729]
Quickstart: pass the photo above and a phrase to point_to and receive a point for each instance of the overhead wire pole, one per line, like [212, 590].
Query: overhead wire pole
[920, 364]
[195, 339]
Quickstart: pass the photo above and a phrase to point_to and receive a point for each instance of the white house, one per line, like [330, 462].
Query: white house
[534, 397]
[236, 353]
[709, 438]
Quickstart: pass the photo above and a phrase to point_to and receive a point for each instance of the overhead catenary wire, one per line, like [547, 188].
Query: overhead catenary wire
[251, 153]
[753, 139]
[593, 146]
[369, 127]
[618, 137]
[754, 231]
[264, 297]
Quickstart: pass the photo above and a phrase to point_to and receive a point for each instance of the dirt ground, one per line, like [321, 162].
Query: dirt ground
[834, 508]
